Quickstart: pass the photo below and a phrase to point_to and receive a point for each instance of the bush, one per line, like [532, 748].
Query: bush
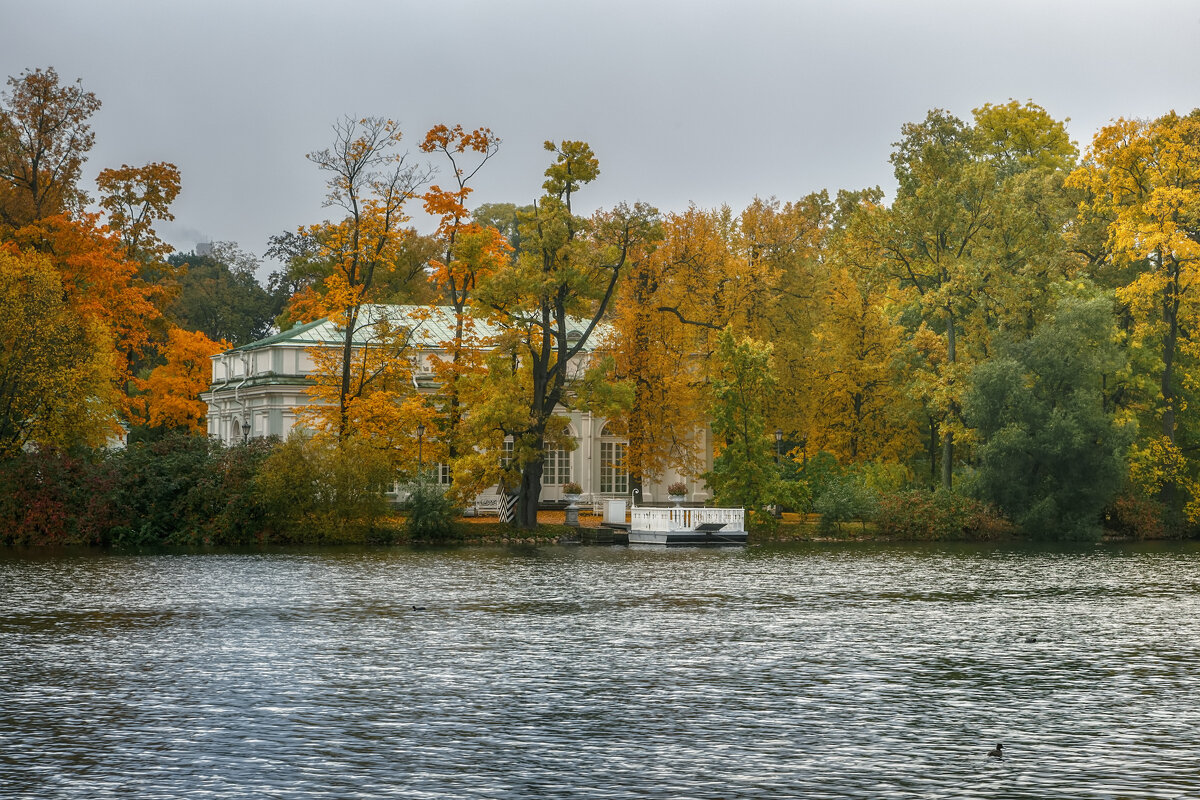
[940, 514]
[168, 491]
[844, 499]
[1136, 516]
[316, 490]
[50, 497]
[430, 514]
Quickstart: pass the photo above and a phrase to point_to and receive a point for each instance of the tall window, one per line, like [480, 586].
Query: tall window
[614, 477]
[557, 468]
[443, 474]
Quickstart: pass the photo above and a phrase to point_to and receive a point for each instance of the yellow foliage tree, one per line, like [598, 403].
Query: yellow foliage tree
[976, 234]
[371, 183]
[665, 323]
[56, 366]
[547, 304]
[1142, 179]
[469, 252]
[860, 409]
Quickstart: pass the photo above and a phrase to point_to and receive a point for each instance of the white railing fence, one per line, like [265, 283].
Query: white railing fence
[685, 519]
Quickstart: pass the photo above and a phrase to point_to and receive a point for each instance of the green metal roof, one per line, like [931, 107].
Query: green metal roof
[432, 326]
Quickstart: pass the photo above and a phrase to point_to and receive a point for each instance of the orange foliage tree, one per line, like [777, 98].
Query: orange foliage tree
[99, 284]
[469, 252]
[172, 392]
[44, 139]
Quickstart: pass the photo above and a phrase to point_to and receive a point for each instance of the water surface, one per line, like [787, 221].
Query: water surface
[798, 672]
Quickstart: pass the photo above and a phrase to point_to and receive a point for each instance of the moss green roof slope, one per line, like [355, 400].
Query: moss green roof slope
[431, 326]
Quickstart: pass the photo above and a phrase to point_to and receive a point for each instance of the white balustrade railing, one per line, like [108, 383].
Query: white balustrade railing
[685, 519]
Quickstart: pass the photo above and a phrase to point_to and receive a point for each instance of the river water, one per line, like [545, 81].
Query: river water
[560, 672]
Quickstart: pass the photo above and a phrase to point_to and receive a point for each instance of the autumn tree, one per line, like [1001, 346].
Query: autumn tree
[134, 199]
[662, 334]
[469, 252]
[1142, 179]
[973, 233]
[548, 304]
[100, 285]
[370, 181]
[56, 366]
[171, 393]
[757, 273]
[45, 136]
[785, 247]
[856, 406]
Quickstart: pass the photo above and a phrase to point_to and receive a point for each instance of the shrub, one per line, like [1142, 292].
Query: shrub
[430, 514]
[318, 489]
[1136, 516]
[168, 491]
[941, 514]
[677, 488]
[51, 497]
[842, 500]
[572, 488]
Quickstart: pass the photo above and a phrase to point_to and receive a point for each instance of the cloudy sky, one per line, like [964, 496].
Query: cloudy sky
[683, 101]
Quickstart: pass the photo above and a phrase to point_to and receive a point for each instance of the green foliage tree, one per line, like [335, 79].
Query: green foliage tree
[220, 296]
[547, 305]
[1050, 455]
[744, 472]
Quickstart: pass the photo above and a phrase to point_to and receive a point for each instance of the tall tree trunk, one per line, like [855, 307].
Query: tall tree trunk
[1169, 493]
[948, 437]
[347, 361]
[1170, 341]
[529, 495]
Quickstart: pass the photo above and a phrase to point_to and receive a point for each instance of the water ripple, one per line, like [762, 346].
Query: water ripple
[799, 672]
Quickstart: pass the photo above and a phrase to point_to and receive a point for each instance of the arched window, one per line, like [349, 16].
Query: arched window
[614, 477]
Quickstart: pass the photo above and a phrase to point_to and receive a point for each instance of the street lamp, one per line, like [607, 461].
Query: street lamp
[245, 429]
[420, 438]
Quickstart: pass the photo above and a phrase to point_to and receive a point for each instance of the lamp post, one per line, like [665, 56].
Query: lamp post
[245, 429]
[420, 439]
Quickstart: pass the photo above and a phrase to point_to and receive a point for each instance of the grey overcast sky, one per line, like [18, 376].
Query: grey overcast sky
[683, 101]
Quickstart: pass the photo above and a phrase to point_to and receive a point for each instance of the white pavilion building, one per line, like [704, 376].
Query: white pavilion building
[258, 389]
